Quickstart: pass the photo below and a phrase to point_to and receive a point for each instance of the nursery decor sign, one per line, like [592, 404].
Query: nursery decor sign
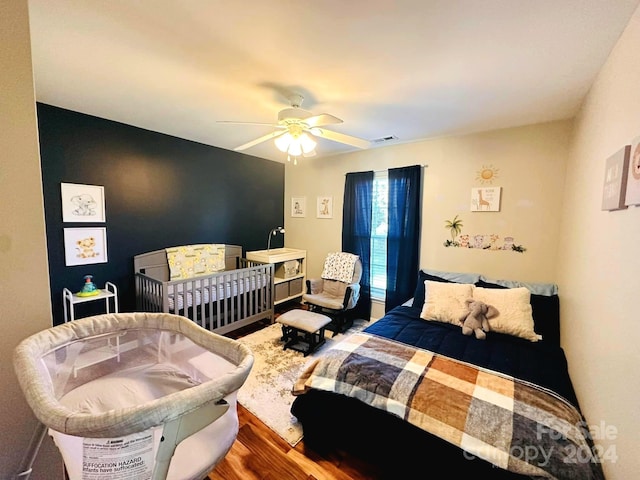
[485, 199]
[83, 246]
[82, 203]
[615, 180]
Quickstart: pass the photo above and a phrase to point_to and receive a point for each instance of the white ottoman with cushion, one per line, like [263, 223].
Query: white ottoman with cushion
[303, 330]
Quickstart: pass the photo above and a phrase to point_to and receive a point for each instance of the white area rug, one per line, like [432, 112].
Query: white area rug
[267, 391]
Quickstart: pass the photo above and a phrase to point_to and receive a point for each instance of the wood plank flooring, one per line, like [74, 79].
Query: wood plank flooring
[260, 454]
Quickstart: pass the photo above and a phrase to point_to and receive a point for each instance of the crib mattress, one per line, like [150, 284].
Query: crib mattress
[195, 293]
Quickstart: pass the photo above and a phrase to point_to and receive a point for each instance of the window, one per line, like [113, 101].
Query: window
[379, 229]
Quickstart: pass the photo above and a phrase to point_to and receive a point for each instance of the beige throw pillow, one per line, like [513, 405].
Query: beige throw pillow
[445, 302]
[514, 305]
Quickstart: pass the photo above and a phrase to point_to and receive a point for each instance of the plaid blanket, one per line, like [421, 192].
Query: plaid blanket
[513, 424]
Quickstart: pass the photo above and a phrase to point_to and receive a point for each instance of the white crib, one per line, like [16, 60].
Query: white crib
[223, 301]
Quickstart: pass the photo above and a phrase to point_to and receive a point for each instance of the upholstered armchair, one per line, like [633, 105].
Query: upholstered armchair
[336, 291]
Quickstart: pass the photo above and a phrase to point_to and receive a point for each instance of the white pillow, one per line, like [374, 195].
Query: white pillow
[514, 305]
[445, 302]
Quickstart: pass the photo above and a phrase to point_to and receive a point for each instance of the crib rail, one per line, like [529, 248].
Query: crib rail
[220, 302]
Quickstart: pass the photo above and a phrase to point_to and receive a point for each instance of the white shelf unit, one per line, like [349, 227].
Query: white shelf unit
[288, 285]
[69, 300]
[112, 348]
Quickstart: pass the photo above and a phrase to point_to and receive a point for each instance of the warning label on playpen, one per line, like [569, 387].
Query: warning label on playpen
[123, 458]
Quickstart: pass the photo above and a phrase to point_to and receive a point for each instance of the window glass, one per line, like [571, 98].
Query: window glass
[379, 235]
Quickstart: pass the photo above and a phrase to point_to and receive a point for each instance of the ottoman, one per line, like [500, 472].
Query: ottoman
[303, 330]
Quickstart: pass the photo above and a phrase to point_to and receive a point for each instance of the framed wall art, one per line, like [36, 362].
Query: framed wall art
[325, 207]
[615, 180]
[485, 199]
[83, 246]
[298, 206]
[82, 203]
[632, 193]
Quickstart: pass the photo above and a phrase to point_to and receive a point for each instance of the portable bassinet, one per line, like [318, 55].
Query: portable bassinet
[119, 393]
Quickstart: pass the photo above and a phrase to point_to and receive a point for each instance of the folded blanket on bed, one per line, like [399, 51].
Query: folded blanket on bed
[511, 423]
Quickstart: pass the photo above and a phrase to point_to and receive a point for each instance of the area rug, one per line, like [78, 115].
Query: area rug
[267, 391]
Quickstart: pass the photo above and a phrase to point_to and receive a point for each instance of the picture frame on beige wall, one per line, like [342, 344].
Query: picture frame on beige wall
[298, 206]
[324, 207]
[485, 199]
[615, 180]
[632, 193]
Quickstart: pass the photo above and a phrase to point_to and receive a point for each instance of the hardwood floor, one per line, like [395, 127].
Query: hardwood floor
[260, 454]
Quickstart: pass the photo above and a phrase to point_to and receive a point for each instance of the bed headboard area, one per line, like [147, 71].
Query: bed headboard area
[155, 264]
[544, 300]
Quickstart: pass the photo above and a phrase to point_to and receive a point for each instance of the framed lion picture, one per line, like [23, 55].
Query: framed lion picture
[83, 246]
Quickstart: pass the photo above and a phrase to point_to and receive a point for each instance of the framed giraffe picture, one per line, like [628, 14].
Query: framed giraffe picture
[485, 199]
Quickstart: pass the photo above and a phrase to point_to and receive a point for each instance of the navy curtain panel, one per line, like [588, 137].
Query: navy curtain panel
[403, 235]
[357, 212]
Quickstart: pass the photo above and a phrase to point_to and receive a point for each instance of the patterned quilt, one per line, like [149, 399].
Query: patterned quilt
[339, 266]
[511, 423]
[188, 261]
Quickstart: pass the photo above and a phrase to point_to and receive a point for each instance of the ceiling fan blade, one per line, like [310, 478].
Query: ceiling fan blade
[321, 119]
[341, 137]
[261, 139]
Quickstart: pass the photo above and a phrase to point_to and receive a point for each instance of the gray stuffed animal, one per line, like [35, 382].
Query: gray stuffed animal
[477, 320]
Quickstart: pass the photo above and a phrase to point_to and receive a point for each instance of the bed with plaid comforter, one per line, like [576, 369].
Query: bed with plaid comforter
[511, 423]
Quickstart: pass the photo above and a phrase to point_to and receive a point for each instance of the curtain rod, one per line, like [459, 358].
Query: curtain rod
[386, 169]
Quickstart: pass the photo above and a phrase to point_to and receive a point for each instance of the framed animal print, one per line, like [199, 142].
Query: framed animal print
[83, 246]
[485, 199]
[324, 207]
[82, 203]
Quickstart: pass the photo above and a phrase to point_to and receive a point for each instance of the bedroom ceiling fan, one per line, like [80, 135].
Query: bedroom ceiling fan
[297, 130]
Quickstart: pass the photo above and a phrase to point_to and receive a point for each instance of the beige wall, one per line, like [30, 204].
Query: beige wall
[24, 292]
[531, 167]
[599, 263]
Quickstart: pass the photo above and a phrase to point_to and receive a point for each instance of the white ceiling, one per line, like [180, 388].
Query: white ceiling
[414, 69]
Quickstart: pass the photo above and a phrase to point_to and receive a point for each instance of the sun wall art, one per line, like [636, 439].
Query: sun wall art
[487, 174]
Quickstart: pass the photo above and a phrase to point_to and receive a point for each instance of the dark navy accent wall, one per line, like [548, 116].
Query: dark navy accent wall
[160, 191]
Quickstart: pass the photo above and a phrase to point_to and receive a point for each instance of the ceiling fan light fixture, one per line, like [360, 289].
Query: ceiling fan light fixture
[283, 141]
[295, 149]
[307, 142]
[296, 144]
[298, 129]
